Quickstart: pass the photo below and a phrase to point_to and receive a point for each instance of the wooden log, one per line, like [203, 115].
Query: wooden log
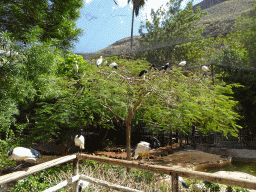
[250, 184]
[63, 184]
[30, 170]
[75, 172]
[107, 184]
[175, 182]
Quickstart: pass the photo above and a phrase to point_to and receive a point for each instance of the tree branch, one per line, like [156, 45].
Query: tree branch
[121, 118]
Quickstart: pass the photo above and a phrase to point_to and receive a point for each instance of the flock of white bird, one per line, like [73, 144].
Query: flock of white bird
[115, 66]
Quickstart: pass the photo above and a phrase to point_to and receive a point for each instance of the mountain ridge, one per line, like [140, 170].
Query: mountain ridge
[221, 14]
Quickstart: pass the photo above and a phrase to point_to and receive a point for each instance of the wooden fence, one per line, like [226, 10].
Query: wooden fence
[211, 177]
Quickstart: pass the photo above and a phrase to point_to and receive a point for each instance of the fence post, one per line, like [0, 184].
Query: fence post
[175, 183]
[75, 172]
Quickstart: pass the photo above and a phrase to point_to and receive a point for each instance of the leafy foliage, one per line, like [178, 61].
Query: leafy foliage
[55, 19]
[173, 24]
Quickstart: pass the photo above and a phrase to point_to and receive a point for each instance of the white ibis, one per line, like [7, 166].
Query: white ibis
[99, 61]
[76, 66]
[182, 63]
[79, 141]
[22, 153]
[166, 66]
[205, 68]
[142, 149]
[113, 65]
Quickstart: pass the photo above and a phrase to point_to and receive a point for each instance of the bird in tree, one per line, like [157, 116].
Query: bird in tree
[113, 65]
[76, 66]
[143, 72]
[137, 4]
[166, 66]
[182, 63]
[99, 61]
[205, 68]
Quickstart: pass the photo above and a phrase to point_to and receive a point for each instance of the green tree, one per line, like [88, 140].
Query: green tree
[55, 19]
[170, 27]
[173, 100]
[237, 64]
[27, 75]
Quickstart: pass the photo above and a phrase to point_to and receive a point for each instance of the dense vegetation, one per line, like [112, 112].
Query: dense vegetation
[43, 97]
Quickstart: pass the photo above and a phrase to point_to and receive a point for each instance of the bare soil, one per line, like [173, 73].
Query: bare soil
[169, 156]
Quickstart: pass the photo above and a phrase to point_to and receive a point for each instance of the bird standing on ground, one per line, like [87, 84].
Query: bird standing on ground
[76, 66]
[182, 63]
[205, 68]
[142, 149]
[22, 153]
[99, 61]
[79, 141]
[113, 65]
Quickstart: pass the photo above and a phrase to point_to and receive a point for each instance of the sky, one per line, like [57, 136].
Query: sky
[104, 22]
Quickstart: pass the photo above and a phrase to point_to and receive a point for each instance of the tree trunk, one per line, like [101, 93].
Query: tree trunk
[128, 141]
[132, 24]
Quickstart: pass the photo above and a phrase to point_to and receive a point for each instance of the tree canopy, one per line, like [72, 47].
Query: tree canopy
[55, 19]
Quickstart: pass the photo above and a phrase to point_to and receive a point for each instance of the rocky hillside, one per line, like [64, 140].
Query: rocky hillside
[220, 20]
[207, 3]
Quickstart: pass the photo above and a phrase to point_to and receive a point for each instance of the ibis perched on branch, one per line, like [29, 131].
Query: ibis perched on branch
[166, 66]
[143, 72]
[76, 66]
[113, 65]
[182, 63]
[205, 68]
[99, 61]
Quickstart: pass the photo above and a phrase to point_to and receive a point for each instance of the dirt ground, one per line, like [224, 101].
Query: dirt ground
[168, 156]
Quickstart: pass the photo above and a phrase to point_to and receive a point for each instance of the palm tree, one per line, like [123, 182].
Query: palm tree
[137, 4]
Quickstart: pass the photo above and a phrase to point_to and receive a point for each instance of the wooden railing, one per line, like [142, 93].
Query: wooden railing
[211, 177]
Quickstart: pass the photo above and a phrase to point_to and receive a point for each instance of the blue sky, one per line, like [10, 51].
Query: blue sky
[104, 22]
